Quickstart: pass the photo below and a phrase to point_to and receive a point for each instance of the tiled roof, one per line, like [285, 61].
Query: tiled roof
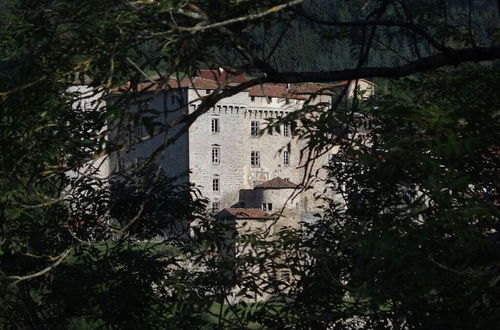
[293, 91]
[213, 79]
[271, 90]
[222, 76]
[277, 183]
[242, 213]
[310, 88]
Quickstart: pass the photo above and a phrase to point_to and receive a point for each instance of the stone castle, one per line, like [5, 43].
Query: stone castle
[234, 154]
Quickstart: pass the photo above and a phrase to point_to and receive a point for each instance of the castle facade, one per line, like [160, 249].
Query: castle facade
[241, 153]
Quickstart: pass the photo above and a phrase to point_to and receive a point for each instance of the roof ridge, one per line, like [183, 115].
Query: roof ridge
[277, 183]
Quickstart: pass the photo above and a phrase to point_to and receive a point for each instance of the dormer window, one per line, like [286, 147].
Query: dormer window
[267, 206]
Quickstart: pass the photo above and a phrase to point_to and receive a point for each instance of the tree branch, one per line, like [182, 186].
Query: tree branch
[60, 258]
[452, 57]
[409, 26]
[250, 17]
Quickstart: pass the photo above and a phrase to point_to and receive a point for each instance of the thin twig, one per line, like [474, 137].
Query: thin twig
[250, 17]
[44, 271]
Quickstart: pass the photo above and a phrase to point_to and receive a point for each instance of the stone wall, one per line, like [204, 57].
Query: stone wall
[236, 143]
[163, 108]
[193, 150]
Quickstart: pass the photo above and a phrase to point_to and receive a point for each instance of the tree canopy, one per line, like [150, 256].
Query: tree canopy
[414, 246]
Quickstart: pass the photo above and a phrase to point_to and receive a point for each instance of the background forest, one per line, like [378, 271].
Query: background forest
[334, 48]
[414, 246]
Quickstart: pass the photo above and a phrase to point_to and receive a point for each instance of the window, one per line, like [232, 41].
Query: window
[215, 184]
[255, 159]
[121, 164]
[252, 98]
[269, 99]
[286, 158]
[215, 207]
[215, 125]
[138, 131]
[286, 129]
[267, 206]
[207, 91]
[254, 128]
[215, 155]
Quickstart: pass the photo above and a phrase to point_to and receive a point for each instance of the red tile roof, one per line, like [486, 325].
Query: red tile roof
[270, 90]
[310, 88]
[277, 183]
[213, 79]
[301, 91]
[242, 213]
[222, 76]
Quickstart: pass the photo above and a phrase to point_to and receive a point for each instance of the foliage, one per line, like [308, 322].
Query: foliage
[420, 234]
[417, 245]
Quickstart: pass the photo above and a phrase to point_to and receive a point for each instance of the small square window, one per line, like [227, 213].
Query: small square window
[252, 98]
[267, 206]
[207, 91]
